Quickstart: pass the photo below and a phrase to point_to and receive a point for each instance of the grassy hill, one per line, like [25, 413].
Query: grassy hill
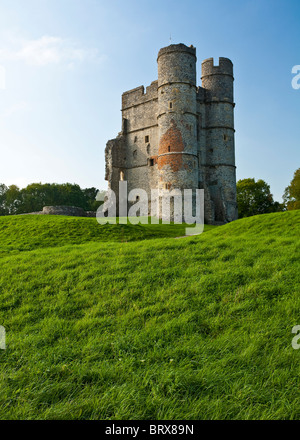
[28, 232]
[126, 322]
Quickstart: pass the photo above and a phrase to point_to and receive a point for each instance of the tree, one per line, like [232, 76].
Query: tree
[37, 195]
[12, 199]
[291, 194]
[33, 198]
[3, 191]
[255, 198]
[90, 195]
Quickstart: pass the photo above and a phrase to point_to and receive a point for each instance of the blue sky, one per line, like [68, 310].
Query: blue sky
[67, 62]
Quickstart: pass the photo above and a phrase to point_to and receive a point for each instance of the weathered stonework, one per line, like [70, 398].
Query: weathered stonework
[179, 136]
[64, 210]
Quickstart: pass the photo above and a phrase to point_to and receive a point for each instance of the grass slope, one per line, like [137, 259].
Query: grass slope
[28, 232]
[196, 328]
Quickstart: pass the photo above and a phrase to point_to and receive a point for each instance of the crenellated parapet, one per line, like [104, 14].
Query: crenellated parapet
[138, 96]
[224, 67]
[218, 79]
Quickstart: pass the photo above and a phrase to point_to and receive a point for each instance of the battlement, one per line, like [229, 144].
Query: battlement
[138, 95]
[177, 48]
[225, 67]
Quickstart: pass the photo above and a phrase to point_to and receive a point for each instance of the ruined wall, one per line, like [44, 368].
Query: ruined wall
[73, 211]
[115, 162]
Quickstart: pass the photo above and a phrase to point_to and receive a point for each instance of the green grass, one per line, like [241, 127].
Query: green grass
[28, 232]
[126, 322]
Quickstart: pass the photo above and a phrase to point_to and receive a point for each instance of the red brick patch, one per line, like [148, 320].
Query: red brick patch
[172, 142]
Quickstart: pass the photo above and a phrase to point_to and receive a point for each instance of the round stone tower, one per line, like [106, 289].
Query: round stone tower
[220, 174]
[177, 159]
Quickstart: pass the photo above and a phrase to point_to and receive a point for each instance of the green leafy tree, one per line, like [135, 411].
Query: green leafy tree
[13, 199]
[33, 198]
[71, 195]
[291, 194]
[3, 207]
[37, 195]
[91, 194]
[255, 198]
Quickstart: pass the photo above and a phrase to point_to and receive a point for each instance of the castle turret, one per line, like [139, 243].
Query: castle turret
[220, 174]
[177, 120]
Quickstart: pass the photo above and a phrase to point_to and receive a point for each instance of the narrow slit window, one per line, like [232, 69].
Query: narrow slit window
[169, 148]
[170, 105]
[146, 139]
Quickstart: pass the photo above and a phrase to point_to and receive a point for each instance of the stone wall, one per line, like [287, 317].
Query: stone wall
[220, 175]
[178, 134]
[64, 210]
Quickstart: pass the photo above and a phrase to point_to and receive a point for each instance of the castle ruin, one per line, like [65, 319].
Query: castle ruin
[179, 135]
